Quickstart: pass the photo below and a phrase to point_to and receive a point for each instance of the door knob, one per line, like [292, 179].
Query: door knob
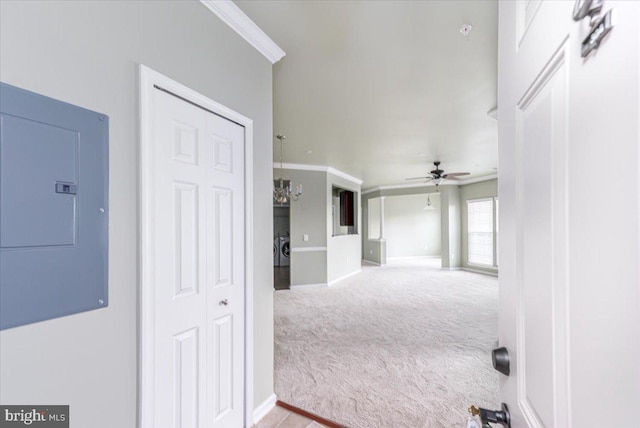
[502, 417]
[224, 302]
[500, 360]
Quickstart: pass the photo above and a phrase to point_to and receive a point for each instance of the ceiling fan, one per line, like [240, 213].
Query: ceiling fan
[437, 175]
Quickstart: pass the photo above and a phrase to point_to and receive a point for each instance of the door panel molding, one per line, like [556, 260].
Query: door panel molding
[556, 61]
[150, 81]
[525, 13]
[542, 166]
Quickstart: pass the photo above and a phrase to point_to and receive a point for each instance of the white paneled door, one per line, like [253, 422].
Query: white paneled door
[198, 186]
[569, 196]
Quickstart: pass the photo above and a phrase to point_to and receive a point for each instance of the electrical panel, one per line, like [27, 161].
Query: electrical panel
[53, 208]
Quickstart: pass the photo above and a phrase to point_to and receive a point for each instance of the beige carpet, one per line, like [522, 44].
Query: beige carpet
[404, 345]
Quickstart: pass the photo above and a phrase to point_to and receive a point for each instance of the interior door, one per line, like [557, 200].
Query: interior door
[199, 253]
[569, 220]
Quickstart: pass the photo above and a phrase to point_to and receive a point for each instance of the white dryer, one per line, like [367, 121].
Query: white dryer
[284, 251]
[276, 251]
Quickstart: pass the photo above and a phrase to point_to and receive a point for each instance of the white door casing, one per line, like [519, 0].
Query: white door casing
[195, 279]
[569, 242]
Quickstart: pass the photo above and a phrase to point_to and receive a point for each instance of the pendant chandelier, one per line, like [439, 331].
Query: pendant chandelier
[283, 191]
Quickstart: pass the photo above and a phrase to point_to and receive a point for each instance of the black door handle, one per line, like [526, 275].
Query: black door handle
[502, 417]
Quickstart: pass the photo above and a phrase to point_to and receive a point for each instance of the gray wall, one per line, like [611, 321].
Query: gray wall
[308, 215]
[312, 215]
[410, 230]
[485, 189]
[308, 268]
[87, 53]
[450, 214]
[373, 249]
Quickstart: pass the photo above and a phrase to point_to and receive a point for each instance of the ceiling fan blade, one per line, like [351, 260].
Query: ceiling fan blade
[451, 178]
[455, 174]
[419, 178]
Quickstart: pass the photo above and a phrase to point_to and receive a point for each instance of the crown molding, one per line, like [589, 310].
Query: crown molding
[430, 184]
[322, 168]
[478, 179]
[301, 167]
[344, 175]
[235, 18]
[398, 186]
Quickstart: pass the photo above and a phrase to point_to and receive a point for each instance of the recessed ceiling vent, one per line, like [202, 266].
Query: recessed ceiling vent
[465, 29]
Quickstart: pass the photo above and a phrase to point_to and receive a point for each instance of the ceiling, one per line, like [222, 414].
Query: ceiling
[381, 89]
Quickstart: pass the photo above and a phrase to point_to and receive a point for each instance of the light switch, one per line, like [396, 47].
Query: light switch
[305, 237]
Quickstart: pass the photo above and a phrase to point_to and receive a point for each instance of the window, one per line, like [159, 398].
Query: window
[480, 227]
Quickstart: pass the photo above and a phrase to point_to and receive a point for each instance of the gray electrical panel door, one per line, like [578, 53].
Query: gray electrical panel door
[53, 208]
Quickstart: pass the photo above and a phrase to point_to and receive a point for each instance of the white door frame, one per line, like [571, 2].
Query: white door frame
[149, 79]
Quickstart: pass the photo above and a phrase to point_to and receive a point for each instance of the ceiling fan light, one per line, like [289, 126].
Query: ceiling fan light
[428, 207]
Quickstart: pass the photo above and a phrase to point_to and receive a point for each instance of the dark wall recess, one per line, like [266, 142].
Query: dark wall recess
[346, 208]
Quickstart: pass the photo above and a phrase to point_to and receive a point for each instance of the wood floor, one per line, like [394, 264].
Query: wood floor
[280, 417]
[285, 415]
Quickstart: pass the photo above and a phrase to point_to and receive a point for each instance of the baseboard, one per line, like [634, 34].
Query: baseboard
[355, 272]
[369, 262]
[301, 286]
[413, 257]
[265, 407]
[483, 272]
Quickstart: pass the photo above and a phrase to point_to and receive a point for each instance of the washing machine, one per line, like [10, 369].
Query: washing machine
[284, 251]
[276, 251]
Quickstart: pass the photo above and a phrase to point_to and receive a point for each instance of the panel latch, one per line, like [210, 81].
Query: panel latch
[66, 188]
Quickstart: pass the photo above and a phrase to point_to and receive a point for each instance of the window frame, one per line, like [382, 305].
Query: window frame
[494, 232]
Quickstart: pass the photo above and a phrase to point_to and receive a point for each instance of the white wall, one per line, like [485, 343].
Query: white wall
[344, 252]
[87, 53]
[373, 218]
[373, 249]
[410, 230]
